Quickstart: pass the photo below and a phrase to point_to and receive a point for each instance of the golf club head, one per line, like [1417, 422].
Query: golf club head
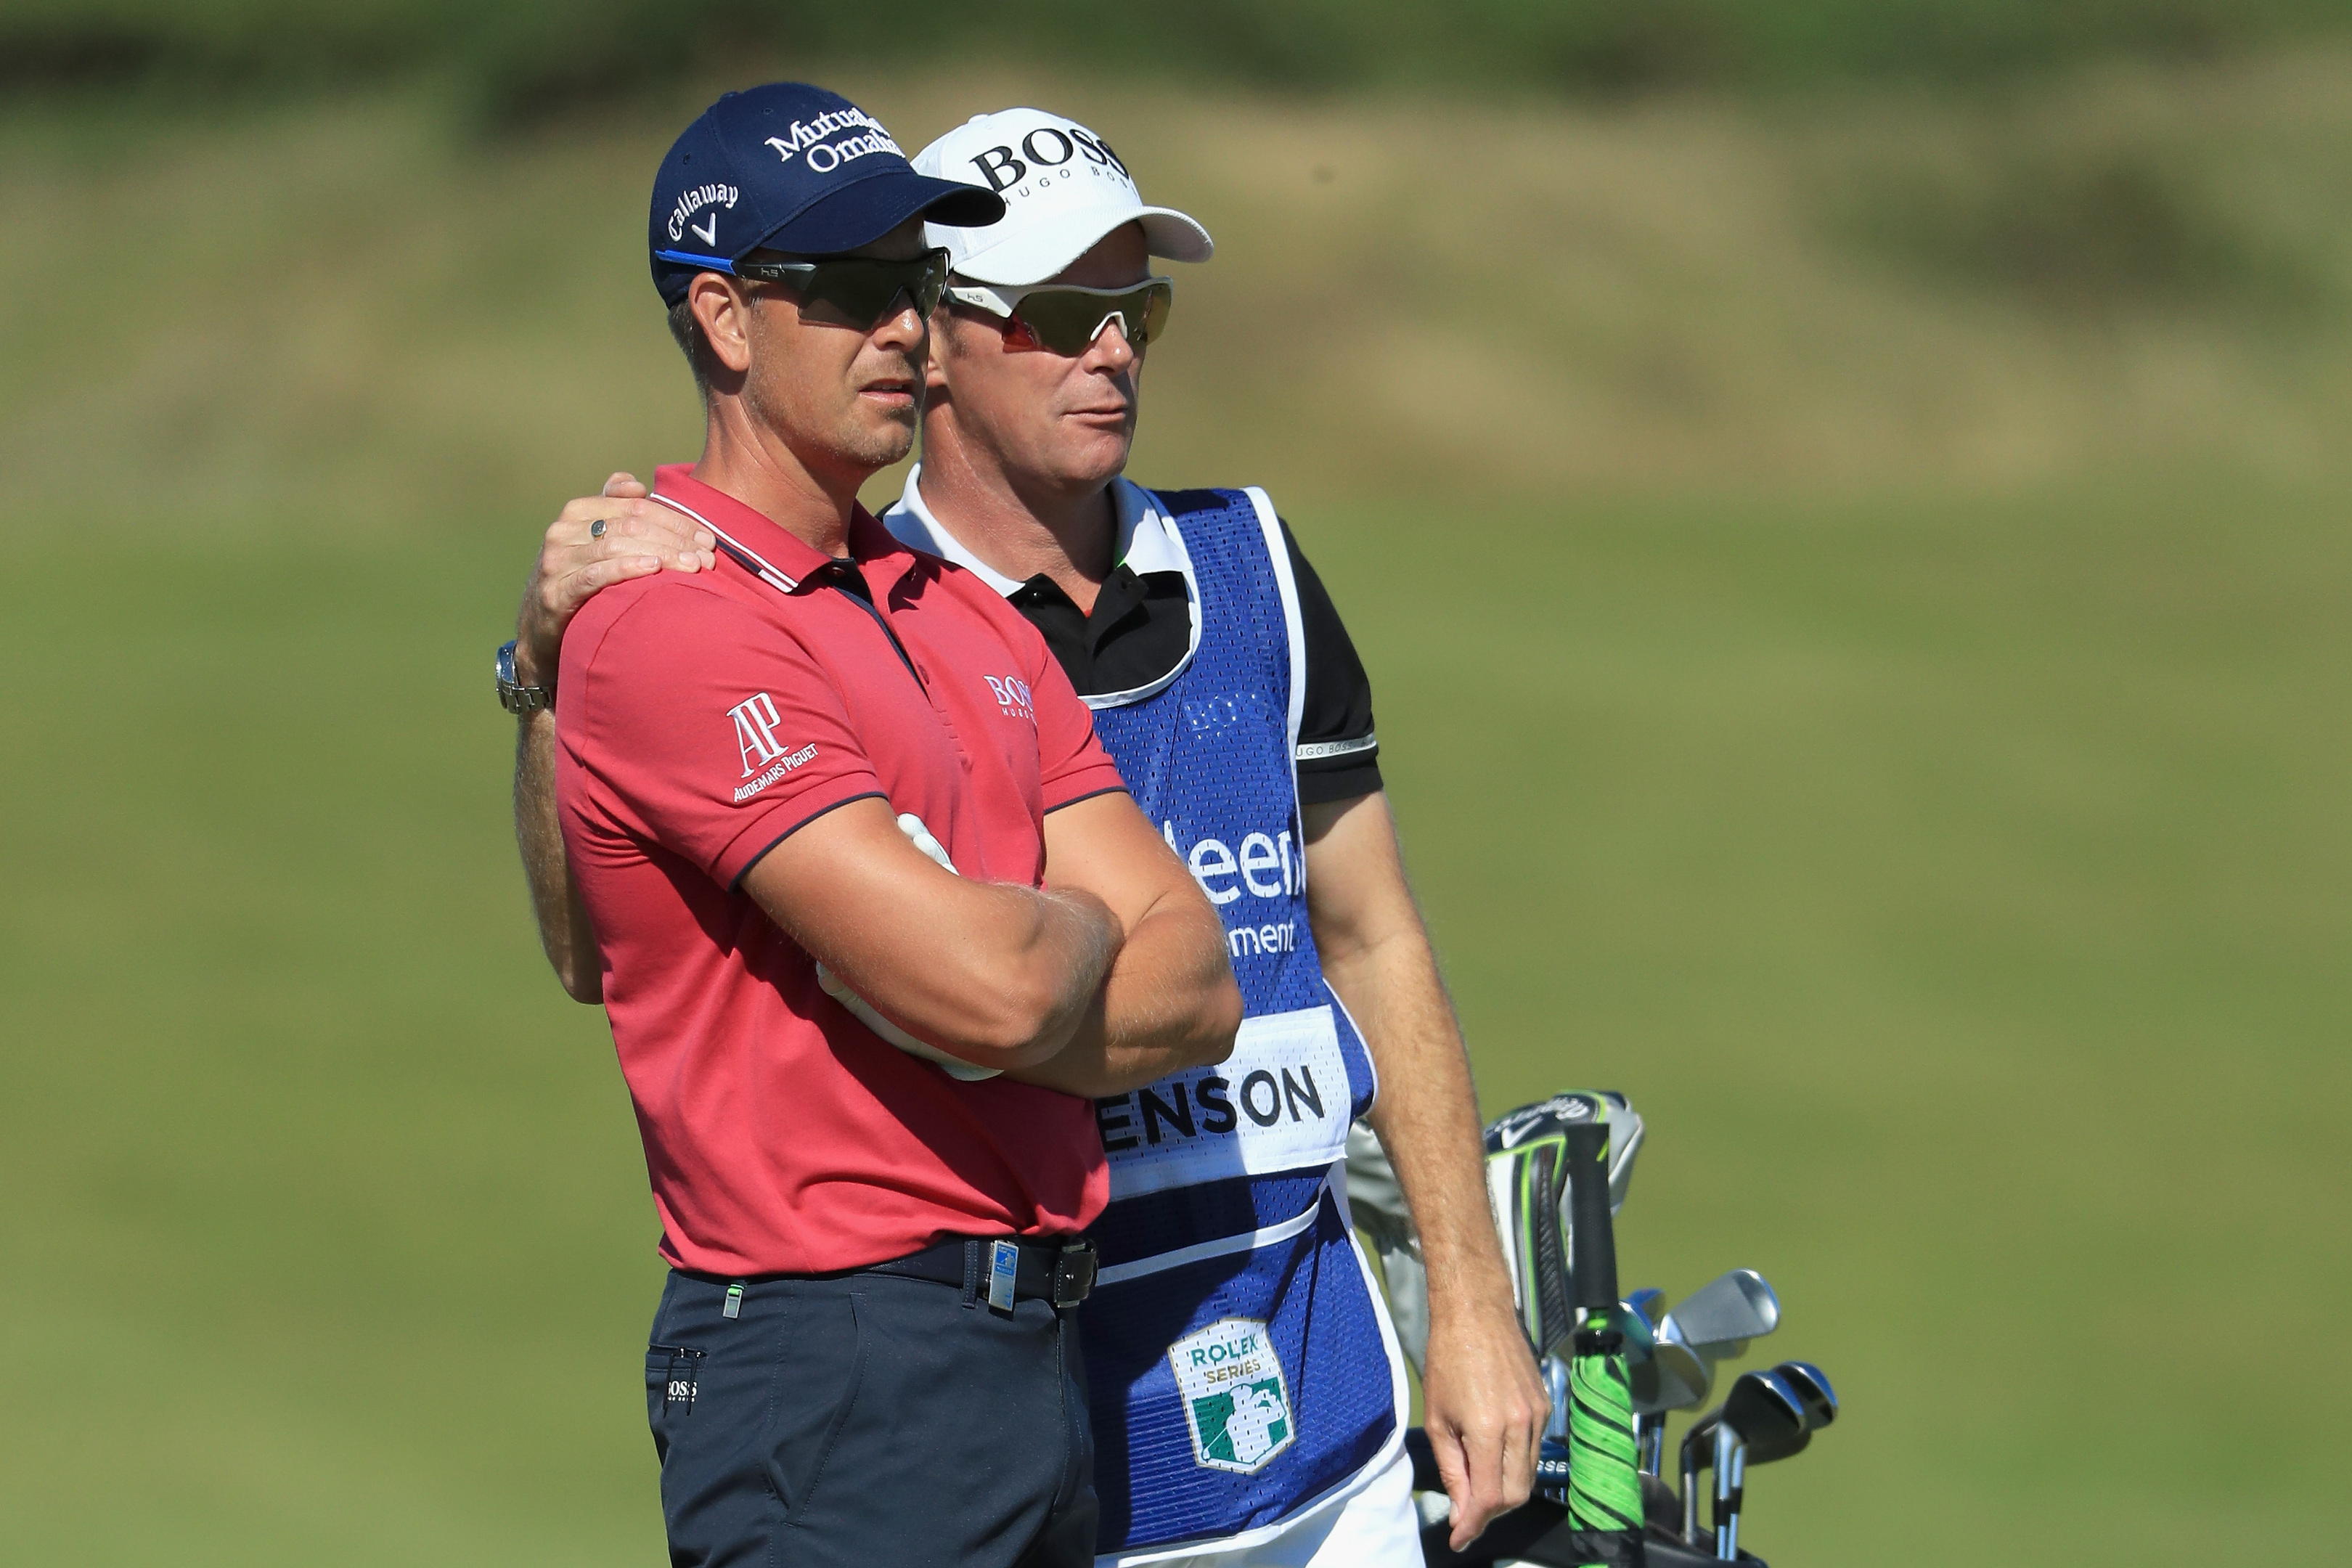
[1640, 1337]
[1650, 1303]
[1813, 1386]
[1777, 1449]
[1670, 1333]
[1767, 1414]
[1671, 1377]
[1719, 1319]
[1698, 1442]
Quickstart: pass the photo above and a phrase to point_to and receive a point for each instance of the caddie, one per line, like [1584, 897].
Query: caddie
[871, 913]
[1248, 1396]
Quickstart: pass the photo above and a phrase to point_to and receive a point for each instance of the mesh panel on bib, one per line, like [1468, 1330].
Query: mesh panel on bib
[1231, 1390]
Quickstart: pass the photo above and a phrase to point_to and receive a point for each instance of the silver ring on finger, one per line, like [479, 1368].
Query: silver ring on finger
[596, 529]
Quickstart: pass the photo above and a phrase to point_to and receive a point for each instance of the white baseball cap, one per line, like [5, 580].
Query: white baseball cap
[1064, 189]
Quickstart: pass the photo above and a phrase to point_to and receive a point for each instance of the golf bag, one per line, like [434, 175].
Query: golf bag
[1538, 1532]
[1527, 1186]
[1529, 1205]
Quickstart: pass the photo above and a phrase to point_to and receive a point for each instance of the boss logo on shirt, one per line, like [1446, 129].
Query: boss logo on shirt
[1214, 715]
[1012, 694]
[755, 738]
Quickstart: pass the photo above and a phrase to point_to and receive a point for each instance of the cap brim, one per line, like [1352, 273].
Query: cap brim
[1176, 236]
[1021, 258]
[861, 213]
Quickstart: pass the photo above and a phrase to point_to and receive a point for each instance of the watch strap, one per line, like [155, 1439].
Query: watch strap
[515, 697]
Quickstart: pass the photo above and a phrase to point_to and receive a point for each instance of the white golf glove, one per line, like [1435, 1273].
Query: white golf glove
[954, 1067]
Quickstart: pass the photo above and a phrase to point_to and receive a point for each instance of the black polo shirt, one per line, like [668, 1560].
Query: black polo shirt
[1141, 629]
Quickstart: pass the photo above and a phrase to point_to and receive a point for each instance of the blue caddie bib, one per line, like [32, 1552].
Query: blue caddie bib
[1241, 1367]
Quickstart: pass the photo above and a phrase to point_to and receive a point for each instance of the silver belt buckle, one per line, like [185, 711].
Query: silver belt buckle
[1074, 1274]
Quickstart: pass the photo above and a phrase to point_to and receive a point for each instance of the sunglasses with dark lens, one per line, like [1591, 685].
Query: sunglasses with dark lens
[1065, 318]
[862, 287]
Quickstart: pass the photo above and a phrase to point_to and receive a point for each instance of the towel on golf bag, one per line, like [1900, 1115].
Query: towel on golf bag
[1376, 1204]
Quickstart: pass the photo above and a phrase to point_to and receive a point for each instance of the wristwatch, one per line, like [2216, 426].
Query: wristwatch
[515, 697]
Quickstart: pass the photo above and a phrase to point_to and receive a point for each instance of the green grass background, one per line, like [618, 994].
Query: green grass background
[1856, 591]
[517, 60]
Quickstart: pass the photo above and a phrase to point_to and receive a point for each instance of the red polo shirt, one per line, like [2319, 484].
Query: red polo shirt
[700, 720]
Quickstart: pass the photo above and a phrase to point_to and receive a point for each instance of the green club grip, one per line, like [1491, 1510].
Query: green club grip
[1604, 1481]
[1592, 1261]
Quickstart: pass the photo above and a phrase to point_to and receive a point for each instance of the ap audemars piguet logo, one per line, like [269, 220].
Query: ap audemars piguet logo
[755, 738]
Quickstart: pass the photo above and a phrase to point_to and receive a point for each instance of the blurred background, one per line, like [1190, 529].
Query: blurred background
[1843, 503]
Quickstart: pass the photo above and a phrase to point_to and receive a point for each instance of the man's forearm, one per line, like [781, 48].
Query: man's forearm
[998, 974]
[1169, 1003]
[1484, 1400]
[1428, 1125]
[563, 927]
[1022, 983]
[1377, 955]
[1076, 945]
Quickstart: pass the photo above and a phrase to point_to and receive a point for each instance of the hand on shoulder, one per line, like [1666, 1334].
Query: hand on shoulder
[594, 542]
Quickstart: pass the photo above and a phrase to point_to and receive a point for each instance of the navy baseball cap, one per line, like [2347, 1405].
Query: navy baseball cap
[790, 167]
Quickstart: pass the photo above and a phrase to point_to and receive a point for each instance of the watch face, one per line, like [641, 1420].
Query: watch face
[506, 664]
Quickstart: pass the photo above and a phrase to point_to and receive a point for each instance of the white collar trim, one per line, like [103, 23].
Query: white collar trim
[1147, 541]
[911, 523]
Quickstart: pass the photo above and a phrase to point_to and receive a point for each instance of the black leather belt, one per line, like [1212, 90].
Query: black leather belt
[1056, 1269]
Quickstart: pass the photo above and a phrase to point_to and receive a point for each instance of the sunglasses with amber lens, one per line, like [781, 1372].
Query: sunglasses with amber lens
[1065, 318]
[862, 287]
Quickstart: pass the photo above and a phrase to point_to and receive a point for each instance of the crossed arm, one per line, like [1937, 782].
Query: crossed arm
[1112, 975]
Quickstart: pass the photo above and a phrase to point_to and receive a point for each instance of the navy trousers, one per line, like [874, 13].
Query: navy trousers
[868, 1420]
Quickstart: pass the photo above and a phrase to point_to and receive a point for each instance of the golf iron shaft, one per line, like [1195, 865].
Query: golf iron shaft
[1698, 1448]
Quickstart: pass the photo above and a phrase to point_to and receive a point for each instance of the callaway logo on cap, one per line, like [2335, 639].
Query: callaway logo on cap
[794, 168]
[1063, 189]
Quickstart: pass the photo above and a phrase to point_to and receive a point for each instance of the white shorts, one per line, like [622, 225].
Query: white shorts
[1373, 1527]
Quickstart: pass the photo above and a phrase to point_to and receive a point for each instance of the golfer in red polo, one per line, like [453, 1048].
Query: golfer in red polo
[873, 913]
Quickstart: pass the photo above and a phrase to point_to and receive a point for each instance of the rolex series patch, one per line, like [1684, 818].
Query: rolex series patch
[1236, 1401]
